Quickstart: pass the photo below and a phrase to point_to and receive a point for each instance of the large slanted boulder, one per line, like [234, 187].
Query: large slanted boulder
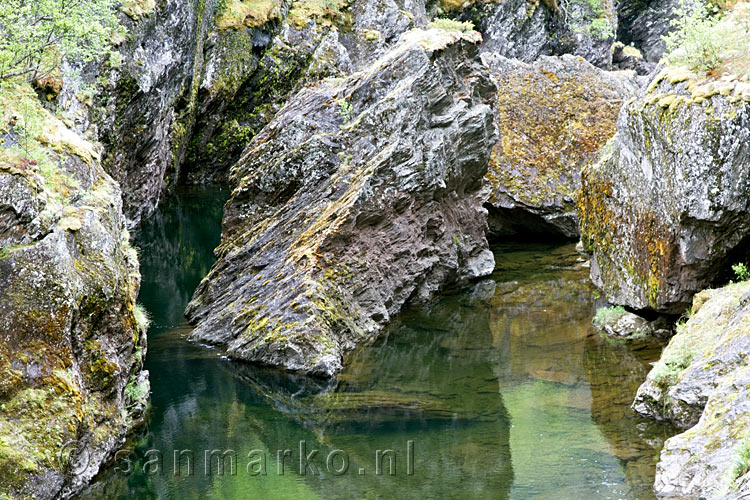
[362, 194]
[552, 116]
[702, 383]
[72, 343]
[668, 206]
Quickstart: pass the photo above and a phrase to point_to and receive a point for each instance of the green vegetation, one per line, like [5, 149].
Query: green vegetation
[741, 460]
[142, 318]
[345, 110]
[137, 393]
[324, 12]
[587, 16]
[706, 40]
[36, 36]
[741, 271]
[38, 135]
[606, 315]
[452, 25]
[675, 359]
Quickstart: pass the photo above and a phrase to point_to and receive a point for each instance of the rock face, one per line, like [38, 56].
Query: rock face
[525, 30]
[71, 379]
[142, 108]
[642, 23]
[553, 116]
[360, 195]
[701, 382]
[669, 202]
[252, 67]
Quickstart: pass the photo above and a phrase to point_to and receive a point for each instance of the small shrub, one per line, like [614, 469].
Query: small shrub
[452, 25]
[675, 359]
[587, 16]
[136, 391]
[703, 40]
[345, 110]
[36, 36]
[741, 460]
[741, 272]
[142, 318]
[606, 315]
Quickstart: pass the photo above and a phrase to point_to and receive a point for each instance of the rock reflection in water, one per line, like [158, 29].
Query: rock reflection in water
[502, 386]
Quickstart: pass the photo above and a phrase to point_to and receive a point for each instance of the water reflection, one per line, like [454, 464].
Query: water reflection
[502, 387]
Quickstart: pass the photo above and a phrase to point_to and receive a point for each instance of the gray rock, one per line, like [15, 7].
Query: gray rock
[362, 194]
[642, 23]
[70, 345]
[629, 58]
[525, 30]
[625, 325]
[701, 383]
[670, 199]
[552, 116]
[249, 72]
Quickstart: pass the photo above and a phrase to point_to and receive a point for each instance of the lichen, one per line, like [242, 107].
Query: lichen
[543, 147]
[325, 12]
[137, 9]
[238, 14]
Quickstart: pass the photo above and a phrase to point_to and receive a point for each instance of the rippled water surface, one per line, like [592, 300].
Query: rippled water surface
[499, 390]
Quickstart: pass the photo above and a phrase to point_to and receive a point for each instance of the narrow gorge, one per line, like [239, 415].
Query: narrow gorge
[374, 249]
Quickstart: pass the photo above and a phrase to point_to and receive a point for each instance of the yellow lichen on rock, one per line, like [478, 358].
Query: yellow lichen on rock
[323, 11]
[137, 9]
[248, 13]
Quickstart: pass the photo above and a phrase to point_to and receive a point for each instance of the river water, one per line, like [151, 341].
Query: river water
[498, 390]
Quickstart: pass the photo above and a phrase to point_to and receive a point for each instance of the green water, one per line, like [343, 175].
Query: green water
[498, 390]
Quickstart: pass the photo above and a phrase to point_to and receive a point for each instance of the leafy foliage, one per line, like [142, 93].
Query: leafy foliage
[607, 315]
[704, 39]
[741, 272]
[36, 35]
[142, 318]
[741, 459]
[587, 16]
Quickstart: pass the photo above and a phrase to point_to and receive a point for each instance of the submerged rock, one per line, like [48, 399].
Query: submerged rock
[621, 324]
[362, 194]
[72, 345]
[702, 382]
[670, 199]
[553, 116]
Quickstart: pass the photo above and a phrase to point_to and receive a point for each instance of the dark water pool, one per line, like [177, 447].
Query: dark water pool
[499, 390]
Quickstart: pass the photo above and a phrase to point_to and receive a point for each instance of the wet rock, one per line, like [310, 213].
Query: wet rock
[701, 383]
[553, 116]
[142, 108]
[620, 323]
[71, 349]
[668, 203]
[362, 194]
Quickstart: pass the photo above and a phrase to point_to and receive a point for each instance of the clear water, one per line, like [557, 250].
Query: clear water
[499, 390]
